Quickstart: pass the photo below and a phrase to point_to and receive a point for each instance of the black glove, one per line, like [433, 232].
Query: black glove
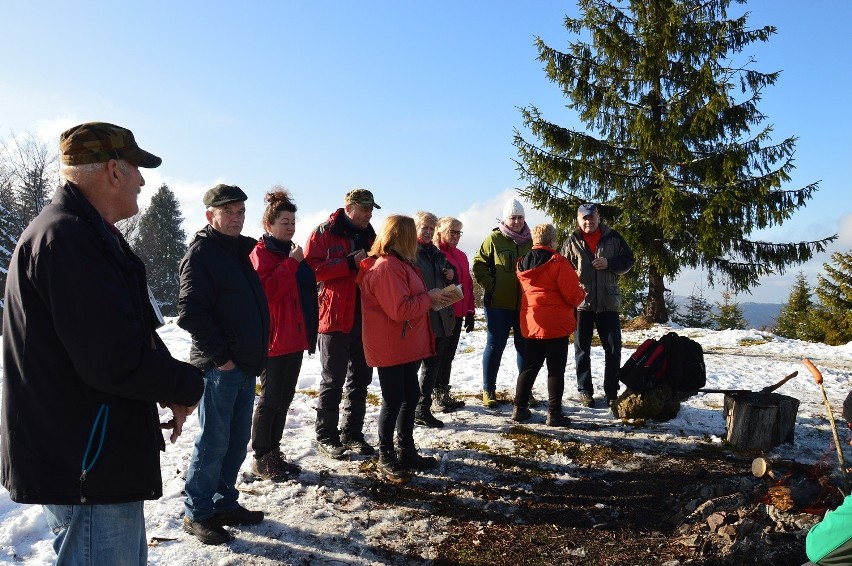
[468, 322]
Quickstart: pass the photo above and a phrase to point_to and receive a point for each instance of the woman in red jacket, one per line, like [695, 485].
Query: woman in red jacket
[550, 294]
[290, 287]
[397, 335]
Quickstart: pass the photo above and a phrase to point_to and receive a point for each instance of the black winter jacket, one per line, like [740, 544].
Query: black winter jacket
[222, 303]
[83, 365]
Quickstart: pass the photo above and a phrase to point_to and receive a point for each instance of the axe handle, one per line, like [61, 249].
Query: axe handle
[772, 388]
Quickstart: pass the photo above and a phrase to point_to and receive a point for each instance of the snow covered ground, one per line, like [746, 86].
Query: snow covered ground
[323, 519]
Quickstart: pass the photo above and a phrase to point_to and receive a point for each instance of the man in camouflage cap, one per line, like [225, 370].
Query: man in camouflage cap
[84, 366]
[334, 251]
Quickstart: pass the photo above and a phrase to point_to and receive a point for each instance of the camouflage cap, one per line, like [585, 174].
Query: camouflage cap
[98, 142]
[362, 197]
[223, 194]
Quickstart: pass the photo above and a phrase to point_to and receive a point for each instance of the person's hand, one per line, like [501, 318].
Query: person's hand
[297, 253]
[438, 298]
[179, 415]
[468, 322]
[600, 263]
[449, 274]
[227, 366]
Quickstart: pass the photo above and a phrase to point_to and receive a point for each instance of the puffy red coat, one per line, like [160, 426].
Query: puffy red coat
[458, 260]
[326, 252]
[277, 272]
[550, 294]
[395, 310]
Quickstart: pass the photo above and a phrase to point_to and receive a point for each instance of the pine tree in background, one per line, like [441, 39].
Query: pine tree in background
[794, 321]
[675, 149]
[161, 242]
[730, 316]
[697, 311]
[833, 316]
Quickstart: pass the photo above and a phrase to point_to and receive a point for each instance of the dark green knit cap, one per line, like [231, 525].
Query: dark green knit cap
[98, 142]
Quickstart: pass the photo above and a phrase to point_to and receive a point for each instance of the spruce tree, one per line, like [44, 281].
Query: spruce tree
[161, 242]
[730, 316]
[697, 311]
[794, 321]
[833, 317]
[675, 150]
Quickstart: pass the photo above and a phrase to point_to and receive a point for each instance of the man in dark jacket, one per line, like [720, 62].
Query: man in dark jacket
[84, 367]
[600, 255]
[223, 306]
[334, 251]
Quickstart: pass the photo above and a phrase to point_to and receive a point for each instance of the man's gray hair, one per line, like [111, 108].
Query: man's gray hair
[80, 174]
[422, 217]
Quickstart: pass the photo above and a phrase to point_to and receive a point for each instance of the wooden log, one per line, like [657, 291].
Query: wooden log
[759, 421]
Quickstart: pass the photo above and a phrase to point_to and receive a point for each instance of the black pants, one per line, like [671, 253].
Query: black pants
[400, 392]
[609, 329]
[445, 364]
[554, 351]
[277, 388]
[343, 364]
[429, 373]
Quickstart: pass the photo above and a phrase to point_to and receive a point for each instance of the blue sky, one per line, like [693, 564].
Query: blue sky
[416, 101]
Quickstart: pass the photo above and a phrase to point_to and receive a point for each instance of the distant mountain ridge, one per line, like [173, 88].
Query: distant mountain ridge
[758, 315]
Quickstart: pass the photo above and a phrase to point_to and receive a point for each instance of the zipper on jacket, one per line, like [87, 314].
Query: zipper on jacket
[405, 325]
[100, 421]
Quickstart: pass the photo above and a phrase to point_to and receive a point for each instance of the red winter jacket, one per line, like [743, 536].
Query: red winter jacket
[395, 310]
[550, 294]
[277, 272]
[326, 252]
[458, 260]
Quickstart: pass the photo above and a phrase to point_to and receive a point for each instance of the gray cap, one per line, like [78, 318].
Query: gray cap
[223, 194]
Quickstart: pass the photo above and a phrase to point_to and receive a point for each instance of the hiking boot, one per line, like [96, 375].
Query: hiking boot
[443, 402]
[587, 400]
[208, 531]
[267, 468]
[358, 446]
[288, 467]
[239, 515]
[428, 419]
[557, 419]
[533, 402]
[450, 401]
[521, 414]
[391, 470]
[332, 448]
[489, 399]
[410, 459]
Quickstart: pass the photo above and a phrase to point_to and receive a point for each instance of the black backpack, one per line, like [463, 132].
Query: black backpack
[686, 372]
[673, 359]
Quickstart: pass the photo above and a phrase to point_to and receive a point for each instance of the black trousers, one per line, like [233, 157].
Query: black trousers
[553, 351]
[277, 388]
[400, 392]
[445, 364]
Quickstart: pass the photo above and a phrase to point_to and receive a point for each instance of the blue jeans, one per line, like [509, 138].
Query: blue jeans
[609, 330]
[499, 322]
[90, 535]
[225, 417]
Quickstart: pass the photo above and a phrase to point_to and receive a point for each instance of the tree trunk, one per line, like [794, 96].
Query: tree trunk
[655, 306]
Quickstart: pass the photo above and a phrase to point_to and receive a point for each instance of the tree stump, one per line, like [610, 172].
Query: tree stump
[759, 421]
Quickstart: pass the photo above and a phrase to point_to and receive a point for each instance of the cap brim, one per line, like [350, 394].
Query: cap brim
[142, 158]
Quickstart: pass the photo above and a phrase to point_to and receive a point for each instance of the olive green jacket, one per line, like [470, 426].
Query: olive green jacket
[494, 269]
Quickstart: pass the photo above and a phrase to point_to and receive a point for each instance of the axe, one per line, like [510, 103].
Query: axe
[818, 379]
